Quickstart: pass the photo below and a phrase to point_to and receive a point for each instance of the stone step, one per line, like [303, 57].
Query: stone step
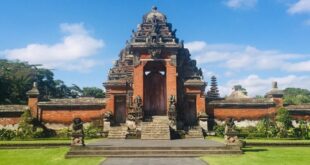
[158, 129]
[118, 132]
[148, 153]
[194, 133]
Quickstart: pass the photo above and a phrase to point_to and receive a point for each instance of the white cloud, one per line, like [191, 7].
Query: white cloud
[302, 6]
[72, 53]
[300, 66]
[256, 85]
[240, 3]
[236, 57]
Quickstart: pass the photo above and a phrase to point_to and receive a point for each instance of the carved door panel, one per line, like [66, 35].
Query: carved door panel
[120, 109]
[155, 94]
[190, 111]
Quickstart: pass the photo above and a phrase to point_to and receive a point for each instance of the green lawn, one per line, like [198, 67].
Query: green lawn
[42, 141]
[46, 156]
[264, 155]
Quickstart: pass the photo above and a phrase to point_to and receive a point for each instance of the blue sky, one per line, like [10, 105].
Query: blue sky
[247, 42]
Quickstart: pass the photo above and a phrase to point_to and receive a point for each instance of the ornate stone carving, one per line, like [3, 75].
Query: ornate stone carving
[172, 113]
[77, 132]
[173, 60]
[136, 112]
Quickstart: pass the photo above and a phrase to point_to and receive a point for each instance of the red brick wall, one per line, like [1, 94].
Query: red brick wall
[9, 120]
[301, 117]
[243, 113]
[66, 116]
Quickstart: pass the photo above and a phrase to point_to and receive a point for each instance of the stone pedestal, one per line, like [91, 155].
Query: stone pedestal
[204, 125]
[77, 139]
[231, 139]
[106, 126]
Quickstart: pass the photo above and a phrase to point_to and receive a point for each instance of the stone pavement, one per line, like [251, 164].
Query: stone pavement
[153, 161]
[156, 143]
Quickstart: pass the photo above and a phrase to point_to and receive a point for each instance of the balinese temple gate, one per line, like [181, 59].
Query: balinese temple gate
[155, 80]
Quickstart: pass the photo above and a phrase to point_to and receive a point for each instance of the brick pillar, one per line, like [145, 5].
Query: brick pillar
[33, 100]
[171, 81]
[200, 103]
[138, 80]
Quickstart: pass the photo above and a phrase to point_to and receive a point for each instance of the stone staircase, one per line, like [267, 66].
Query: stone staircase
[122, 152]
[158, 129]
[117, 132]
[194, 133]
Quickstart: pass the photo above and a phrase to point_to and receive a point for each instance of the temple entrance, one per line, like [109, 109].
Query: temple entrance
[155, 99]
[190, 111]
[120, 109]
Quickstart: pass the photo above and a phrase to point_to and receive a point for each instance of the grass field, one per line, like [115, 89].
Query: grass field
[45, 156]
[42, 141]
[265, 155]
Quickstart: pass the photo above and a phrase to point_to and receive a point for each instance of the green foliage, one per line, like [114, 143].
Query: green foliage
[219, 130]
[16, 78]
[93, 92]
[91, 131]
[284, 118]
[296, 96]
[302, 131]
[267, 127]
[25, 129]
[63, 133]
[6, 134]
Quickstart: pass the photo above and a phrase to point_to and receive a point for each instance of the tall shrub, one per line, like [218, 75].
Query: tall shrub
[25, 128]
[284, 122]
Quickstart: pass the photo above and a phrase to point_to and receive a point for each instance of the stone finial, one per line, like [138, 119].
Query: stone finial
[154, 8]
[275, 92]
[274, 85]
[34, 92]
[34, 85]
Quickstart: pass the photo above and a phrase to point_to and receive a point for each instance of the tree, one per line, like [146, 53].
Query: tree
[296, 96]
[16, 78]
[93, 92]
[284, 122]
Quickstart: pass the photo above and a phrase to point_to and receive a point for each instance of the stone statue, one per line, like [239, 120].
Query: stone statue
[107, 116]
[77, 132]
[229, 126]
[230, 133]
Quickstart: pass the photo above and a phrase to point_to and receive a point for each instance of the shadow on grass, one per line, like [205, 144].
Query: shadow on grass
[251, 149]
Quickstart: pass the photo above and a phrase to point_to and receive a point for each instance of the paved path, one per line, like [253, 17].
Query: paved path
[156, 143]
[153, 161]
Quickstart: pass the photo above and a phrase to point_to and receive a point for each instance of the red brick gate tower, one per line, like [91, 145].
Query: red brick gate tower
[156, 69]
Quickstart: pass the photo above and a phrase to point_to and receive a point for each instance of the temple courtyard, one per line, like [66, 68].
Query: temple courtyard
[251, 155]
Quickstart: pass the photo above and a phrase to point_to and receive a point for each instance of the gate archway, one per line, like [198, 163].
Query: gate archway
[154, 89]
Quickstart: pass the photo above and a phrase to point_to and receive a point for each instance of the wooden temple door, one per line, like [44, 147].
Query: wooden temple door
[190, 113]
[120, 109]
[155, 99]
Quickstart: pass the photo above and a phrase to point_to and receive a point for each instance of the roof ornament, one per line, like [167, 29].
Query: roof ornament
[154, 8]
[274, 85]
